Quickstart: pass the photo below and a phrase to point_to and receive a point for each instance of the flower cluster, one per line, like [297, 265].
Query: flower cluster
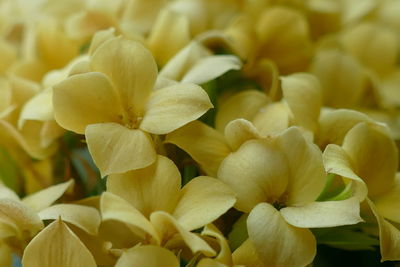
[203, 133]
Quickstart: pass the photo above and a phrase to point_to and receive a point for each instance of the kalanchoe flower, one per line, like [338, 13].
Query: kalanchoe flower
[369, 158]
[117, 109]
[277, 181]
[157, 211]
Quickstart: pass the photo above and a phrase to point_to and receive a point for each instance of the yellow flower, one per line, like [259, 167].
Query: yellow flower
[368, 158]
[117, 108]
[277, 181]
[57, 245]
[151, 203]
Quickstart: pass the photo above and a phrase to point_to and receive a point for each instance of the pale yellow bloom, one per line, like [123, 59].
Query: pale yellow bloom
[368, 158]
[157, 211]
[57, 245]
[277, 181]
[127, 110]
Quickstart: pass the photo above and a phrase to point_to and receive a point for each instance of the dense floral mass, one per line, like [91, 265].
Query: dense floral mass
[203, 133]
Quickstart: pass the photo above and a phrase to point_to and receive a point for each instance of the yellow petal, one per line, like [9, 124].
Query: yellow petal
[324, 214]
[272, 119]
[149, 256]
[86, 218]
[246, 255]
[141, 15]
[307, 175]
[303, 94]
[202, 201]
[44, 198]
[224, 255]
[337, 161]
[85, 99]
[117, 149]
[389, 236]
[210, 68]
[375, 46]
[184, 60]
[335, 124]
[374, 155]
[131, 69]
[203, 143]
[39, 107]
[174, 106]
[149, 189]
[115, 208]
[342, 78]
[243, 105]
[99, 38]
[287, 245]
[19, 220]
[167, 225]
[239, 131]
[57, 245]
[170, 33]
[388, 204]
[256, 172]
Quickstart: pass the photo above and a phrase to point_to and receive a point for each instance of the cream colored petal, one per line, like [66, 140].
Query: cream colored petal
[39, 107]
[6, 93]
[57, 245]
[117, 149]
[85, 99]
[166, 225]
[28, 138]
[334, 125]
[239, 131]
[389, 90]
[307, 174]
[115, 208]
[287, 245]
[170, 33]
[374, 155]
[337, 161]
[6, 192]
[131, 69]
[256, 172]
[184, 60]
[174, 106]
[303, 94]
[388, 205]
[389, 236]
[149, 189]
[244, 105]
[23, 222]
[375, 46]
[324, 214]
[246, 255]
[224, 255]
[272, 119]
[149, 256]
[203, 143]
[99, 38]
[202, 201]
[210, 68]
[86, 218]
[343, 79]
[44, 198]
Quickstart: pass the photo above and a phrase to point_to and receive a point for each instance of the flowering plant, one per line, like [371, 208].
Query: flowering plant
[198, 132]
